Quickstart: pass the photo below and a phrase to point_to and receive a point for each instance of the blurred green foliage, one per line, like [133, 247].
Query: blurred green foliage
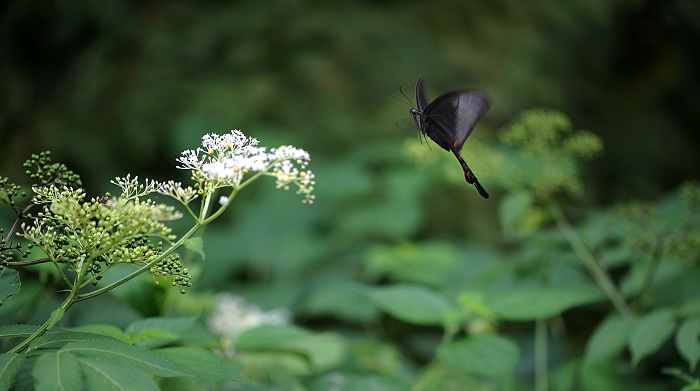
[115, 88]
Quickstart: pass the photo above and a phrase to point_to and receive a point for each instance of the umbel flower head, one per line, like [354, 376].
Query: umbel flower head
[233, 159]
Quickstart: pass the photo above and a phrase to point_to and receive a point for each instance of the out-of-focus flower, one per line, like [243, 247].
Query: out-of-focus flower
[231, 316]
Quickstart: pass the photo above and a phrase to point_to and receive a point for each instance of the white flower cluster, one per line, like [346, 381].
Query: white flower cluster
[227, 159]
[231, 316]
[175, 190]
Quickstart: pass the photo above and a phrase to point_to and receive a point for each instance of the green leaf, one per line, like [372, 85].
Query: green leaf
[201, 363]
[609, 338]
[107, 330]
[486, 355]
[122, 354]
[513, 208]
[354, 381]
[17, 330]
[323, 351]
[156, 332]
[196, 244]
[57, 371]
[533, 304]
[268, 337]
[9, 283]
[650, 332]
[411, 303]
[688, 342]
[106, 376]
[10, 364]
[427, 263]
[175, 325]
[342, 299]
[59, 338]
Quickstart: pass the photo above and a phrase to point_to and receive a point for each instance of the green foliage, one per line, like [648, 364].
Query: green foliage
[411, 304]
[547, 151]
[9, 284]
[448, 304]
[85, 240]
[488, 356]
[73, 360]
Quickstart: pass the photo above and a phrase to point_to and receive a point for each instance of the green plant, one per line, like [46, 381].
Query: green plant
[86, 240]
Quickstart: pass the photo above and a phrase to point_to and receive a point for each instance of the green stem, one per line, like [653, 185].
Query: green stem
[599, 274]
[75, 297]
[143, 268]
[53, 319]
[654, 262]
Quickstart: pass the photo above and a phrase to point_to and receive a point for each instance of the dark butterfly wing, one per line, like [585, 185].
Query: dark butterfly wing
[450, 119]
[421, 101]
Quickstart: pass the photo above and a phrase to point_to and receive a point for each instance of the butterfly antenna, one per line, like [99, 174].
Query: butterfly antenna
[399, 99]
[407, 98]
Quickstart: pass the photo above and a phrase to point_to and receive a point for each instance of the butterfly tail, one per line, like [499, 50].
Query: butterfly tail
[470, 177]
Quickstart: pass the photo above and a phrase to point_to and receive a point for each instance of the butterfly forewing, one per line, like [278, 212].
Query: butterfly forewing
[450, 119]
[421, 100]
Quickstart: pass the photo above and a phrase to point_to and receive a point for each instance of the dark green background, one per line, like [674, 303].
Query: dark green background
[125, 86]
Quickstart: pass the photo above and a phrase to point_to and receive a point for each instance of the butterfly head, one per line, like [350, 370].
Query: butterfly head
[417, 114]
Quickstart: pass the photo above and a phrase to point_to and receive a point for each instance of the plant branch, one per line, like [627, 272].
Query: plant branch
[599, 274]
[143, 268]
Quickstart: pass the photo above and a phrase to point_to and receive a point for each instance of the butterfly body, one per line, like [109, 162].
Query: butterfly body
[449, 120]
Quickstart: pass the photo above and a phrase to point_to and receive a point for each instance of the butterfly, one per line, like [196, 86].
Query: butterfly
[449, 120]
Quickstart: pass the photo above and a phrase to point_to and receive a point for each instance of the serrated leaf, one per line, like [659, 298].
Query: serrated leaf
[196, 244]
[487, 355]
[107, 330]
[17, 330]
[9, 283]
[123, 354]
[10, 364]
[411, 303]
[57, 371]
[59, 338]
[176, 325]
[609, 338]
[688, 342]
[534, 304]
[156, 332]
[650, 332]
[106, 376]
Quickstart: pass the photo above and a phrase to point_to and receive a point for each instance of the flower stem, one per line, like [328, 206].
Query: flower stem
[53, 319]
[599, 274]
[143, 268]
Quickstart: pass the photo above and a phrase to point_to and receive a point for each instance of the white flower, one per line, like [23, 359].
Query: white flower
[175, 190]
[231, 316]
[227, 160]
